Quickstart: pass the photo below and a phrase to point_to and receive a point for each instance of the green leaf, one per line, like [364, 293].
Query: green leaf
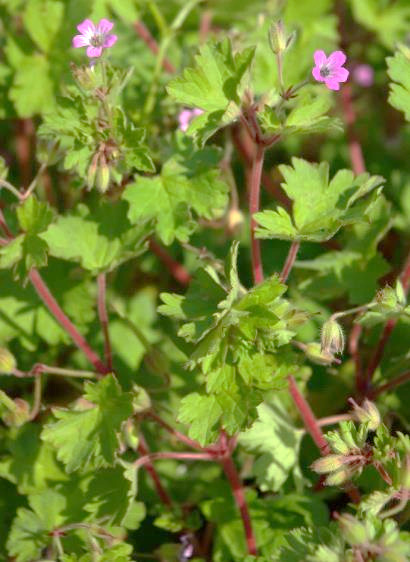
[33, 90]
[30, 531]
[399, 71]
[89, 437]
[185, 185]
[276, 441]
[42, 19]
[320, 207]
[202, 414]
[99, 242]
[214, 85]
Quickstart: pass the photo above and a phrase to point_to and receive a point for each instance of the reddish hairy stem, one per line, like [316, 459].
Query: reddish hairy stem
[389, 385]
[146, 459]
[309, 420]
[349, 114]
[254, 195]
[145, 34]
[290, 260]
[239, 496]
[54, 308]
[354, 338]
[180, 436]
[162, 493]
[388, 328]
[331, 420]
[24, 136]
[177, 270]
[103, 316]
[4, 226]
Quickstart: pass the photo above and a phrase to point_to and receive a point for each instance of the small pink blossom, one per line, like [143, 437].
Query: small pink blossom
[94, 38]
[186, 116]
[330, 69]
[363, 75]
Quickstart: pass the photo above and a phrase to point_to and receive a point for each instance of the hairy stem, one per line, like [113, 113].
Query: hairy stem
[239, 496]
[290, 260]
[178, 271]
[146, 459]
[152, 45]
[331, 420]
[180, 436]
[55, 309]
[254, 196]
[162, 493]
[389, 385]
[37, 398]
[103, 316]
[311, 424]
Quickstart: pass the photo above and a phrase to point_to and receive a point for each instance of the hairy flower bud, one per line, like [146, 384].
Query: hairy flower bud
[387, 299]
[7, 362]
[316, 355]
[234, 220]
[103, 175]
[327, 464]
[140, 399]
[367, 413]
[353, 531]
[130, 432]
[18, 415]
[332, 338]
[92, 171]
[278, 39]
[338, 477]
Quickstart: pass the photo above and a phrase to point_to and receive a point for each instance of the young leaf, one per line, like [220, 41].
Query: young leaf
[399, 71]
[320, 207]
[89, 437]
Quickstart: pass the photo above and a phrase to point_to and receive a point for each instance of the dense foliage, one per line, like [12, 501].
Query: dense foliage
[204, 267]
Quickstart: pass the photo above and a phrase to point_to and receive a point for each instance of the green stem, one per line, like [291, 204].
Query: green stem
[37, 398]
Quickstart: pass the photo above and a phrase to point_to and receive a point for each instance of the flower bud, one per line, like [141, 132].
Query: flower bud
[332, 338]
[140, 399]
[387, 299]
[367, 413]
[7, 362]
[130, 434]
[353, 531]
[92, 171]
[327, 464]
[234, 220]
[316, 355]
[338, 477]
[18, 415]
[400, 294]
[103, 175]
[277, 37]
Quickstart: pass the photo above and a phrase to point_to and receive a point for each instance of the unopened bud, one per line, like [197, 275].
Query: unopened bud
[103, 175]
[7, 362]
[400, 294]
[18, 415]
[316, 355]
[140, 399]
[329, 463]
[277, 37]
[332, 338]
[366, 413]
[353, 531]
[92, 171]
[386, 299]
[235, 220]
[338, 477]
[130, 434]
[85, 76]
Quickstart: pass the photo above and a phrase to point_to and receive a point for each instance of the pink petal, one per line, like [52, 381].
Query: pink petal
[80, 41]
[197, 111]
[320, 58]
[363, 75]
[341, 75]
[332, 84]
[110, 40]
[94, 52]
[86, 27]
[337, 58]
[316, 74]
[104, 26]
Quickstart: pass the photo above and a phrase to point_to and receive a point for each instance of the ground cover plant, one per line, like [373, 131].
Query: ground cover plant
[204, 268]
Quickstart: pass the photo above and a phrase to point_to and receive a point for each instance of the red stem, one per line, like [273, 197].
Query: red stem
[239, 496]
[54, 308]
[290, 260]
[389, 385]
[146, 459]
[311, 424]
[180, 436]
[177, 270]
[331, 420]
[354, 338]
[4, 226]
[152, 45]
[254, 195]
[162, 493]
[103, 316]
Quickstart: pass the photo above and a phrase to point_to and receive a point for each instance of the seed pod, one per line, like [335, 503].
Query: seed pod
[7, 362]
[332, 338]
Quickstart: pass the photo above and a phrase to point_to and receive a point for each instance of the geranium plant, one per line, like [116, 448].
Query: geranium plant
[204, 269]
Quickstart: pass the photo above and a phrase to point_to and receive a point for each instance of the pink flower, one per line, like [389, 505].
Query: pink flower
[363, 75]
[185, 117]
[94, 38]
[330, 69]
